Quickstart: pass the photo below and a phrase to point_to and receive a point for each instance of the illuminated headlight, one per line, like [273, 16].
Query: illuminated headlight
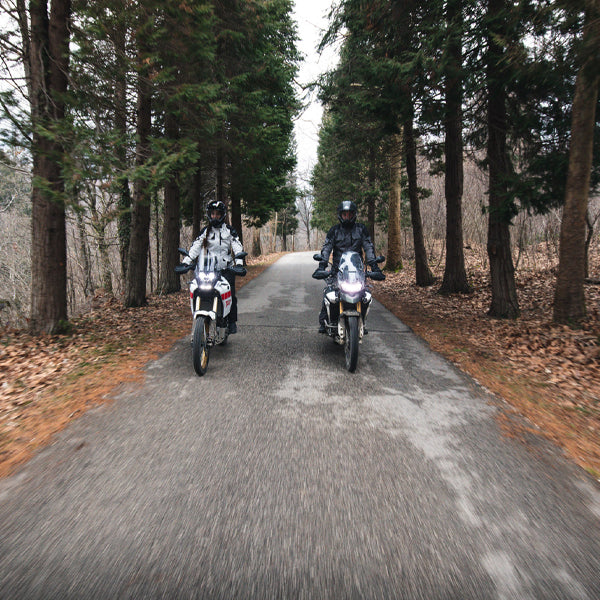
[351, 288]
[206, 281]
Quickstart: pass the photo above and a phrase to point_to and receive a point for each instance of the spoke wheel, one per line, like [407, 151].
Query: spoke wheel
[351, 343]
[200, 348]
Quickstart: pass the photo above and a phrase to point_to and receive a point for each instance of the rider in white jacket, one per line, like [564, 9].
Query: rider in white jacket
[222, 241]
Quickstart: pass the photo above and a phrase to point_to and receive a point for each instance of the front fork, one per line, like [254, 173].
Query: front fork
[357, 311]
[211, 314]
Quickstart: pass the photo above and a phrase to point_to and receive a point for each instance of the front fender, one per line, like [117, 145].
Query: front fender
[205, 313]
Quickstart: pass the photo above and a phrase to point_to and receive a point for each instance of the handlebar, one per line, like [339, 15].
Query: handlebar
[237, 270]
[374, 275]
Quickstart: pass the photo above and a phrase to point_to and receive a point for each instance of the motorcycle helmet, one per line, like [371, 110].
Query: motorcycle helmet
[347, 213]
[216, 205]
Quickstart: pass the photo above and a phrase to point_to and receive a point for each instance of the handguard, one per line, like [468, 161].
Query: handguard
[238, 270]
[376, 275]
[182, 268]
[320, 274]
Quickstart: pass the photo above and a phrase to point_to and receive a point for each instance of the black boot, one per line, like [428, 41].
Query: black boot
[232, 328]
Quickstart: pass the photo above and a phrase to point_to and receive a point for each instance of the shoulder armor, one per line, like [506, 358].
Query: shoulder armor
[232, 231]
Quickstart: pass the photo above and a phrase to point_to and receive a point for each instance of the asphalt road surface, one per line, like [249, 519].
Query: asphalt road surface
[280, 475]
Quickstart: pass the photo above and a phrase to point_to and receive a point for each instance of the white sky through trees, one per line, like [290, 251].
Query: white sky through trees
[311, 17]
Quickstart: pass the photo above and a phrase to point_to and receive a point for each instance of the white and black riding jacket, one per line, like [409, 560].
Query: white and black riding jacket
[223, 242]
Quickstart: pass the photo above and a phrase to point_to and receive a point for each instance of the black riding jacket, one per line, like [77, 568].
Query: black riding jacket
[342, 239]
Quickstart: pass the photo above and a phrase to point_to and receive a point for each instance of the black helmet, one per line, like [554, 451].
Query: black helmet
[347, 207]
[218, 206]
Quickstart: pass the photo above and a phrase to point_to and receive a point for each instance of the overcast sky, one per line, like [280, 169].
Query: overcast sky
[311, 16]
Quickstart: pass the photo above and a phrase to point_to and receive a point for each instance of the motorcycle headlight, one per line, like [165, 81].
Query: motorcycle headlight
[351, 288]
[206, 280]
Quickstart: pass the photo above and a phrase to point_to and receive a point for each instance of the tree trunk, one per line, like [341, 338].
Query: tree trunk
[590, 224]
[98, 224]
[504, 302]
[169, 281]
[135, 292]
[104, 258]
[221, 166]
[394, 255]
[236, 210]
[455, 276]
[197, 201]
[124, 223]
[49, 66]
[88, 286]
[371, 196]
[569, 298]
[274, 237]
[124, 203]
[424, 276]
[256, 246]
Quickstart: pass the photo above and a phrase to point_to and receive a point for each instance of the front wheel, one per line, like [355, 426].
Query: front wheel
[351, 343]
[200, 347]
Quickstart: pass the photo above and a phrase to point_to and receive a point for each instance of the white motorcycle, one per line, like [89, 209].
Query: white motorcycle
[347, 301]
[210, 302]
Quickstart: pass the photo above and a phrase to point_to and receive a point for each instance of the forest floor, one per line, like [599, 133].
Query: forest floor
[548, 373]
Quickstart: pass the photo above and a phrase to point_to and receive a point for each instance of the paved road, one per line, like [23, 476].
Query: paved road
[280, 475]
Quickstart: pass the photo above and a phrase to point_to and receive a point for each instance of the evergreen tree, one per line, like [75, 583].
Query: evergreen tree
[504, 293]
[381, 71]
[135, 281]
[569, 300]
[455, 276]
[46, 60]
[186, 96]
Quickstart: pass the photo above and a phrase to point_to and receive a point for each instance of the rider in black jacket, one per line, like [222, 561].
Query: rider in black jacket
[346, 235]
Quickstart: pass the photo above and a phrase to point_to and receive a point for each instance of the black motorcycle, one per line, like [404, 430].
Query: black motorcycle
[347, 301]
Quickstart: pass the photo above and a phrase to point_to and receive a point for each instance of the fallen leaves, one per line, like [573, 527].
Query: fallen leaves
[46, 381]
[549, 372]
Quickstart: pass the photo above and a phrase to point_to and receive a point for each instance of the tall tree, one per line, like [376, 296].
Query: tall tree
[137, 265]
[455, 275]
[423, 275]
[169, 281]
[185, 97]
[569, 299]
[46, 48]
[381, 68]
[262, 105]
[504, 303]
[119, 38]
[394, 252]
